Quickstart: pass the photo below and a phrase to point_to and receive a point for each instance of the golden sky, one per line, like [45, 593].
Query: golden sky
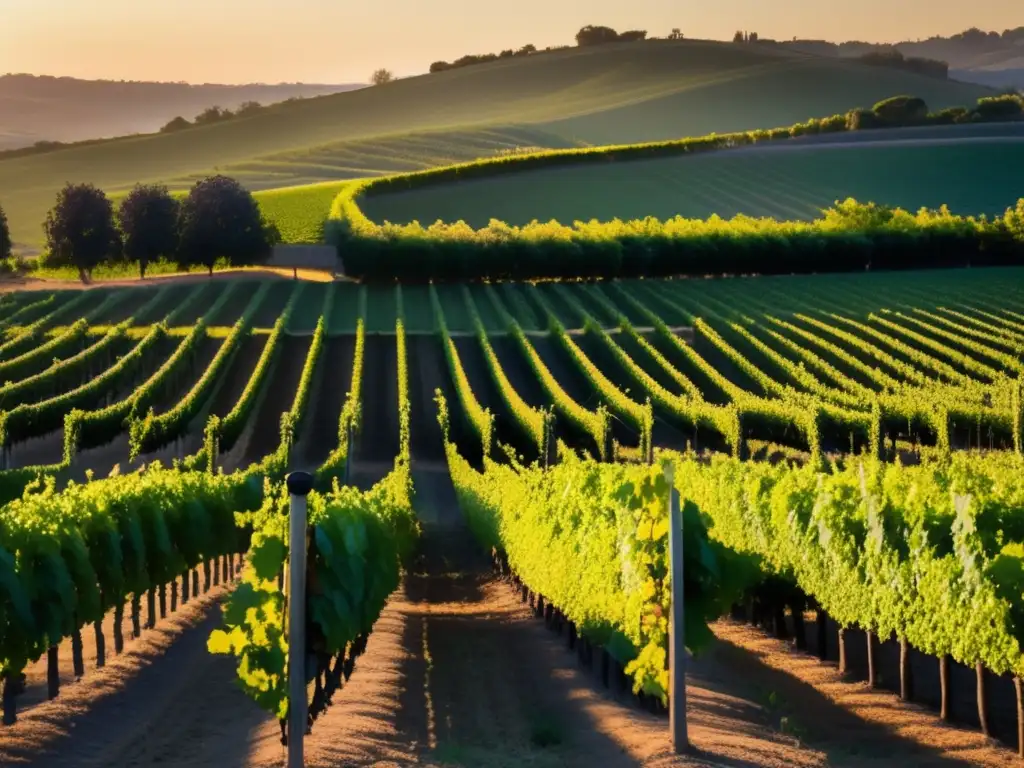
[335, 41]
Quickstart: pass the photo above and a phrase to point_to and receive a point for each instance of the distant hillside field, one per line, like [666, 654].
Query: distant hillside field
[36, 108]
[972, 169]
[579, 97]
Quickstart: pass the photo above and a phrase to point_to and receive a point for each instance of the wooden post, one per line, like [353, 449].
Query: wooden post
[677, 622]
[299, 486]
[944, 686]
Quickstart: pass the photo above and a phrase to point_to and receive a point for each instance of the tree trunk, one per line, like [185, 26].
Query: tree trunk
[101, 645]
[871, 657]
[185, 577]
[195, 582]
[174, 595]
[779, 620]
[798, 627]
[1020, 716]
[118, 631]
[215, 567]
[979, 672]
[842, 650]
[944, 686]
[10, 700]
[822, 622]
[906, 673]
[231, 567]
[52, 673]
[76, 654]
[150, 609]
[136, 618]
[163, 601]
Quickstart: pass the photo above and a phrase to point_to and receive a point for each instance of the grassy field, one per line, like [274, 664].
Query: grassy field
[971, 173]
[578, 97]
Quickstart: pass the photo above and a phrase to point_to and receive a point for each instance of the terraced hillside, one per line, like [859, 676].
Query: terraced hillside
[622, 93]
[806, 366]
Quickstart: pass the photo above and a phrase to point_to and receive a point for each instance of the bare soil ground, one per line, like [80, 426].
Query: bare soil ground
[458, 672]
[39, 284]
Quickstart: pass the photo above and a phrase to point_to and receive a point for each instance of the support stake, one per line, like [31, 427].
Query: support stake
[299, 486]
[677, 622]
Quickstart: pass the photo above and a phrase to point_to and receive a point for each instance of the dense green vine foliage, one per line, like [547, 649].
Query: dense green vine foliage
[65, 558]
[592, 538]
[357, 543]
[480, 419]
[232, 425]
[27, 421]
[276, 464]
[933, 553]
[351, 412]
[592, 423]
[533, 422]
[29, 336]
[151, 431]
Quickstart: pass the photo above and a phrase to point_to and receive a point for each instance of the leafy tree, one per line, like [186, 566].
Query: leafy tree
[675, 34]
[752, 37]
[632, 36]
[220, 219]
[212, 115]
[382, 76]
[177, 124]
[595, 35]
[526, 50]
[247, 108]
[739, 37]
[5, 236]
[149, 224]
[80, 229]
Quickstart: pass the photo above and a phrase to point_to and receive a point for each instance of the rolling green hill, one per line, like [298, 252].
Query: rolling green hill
[972, 169]
[620, 93]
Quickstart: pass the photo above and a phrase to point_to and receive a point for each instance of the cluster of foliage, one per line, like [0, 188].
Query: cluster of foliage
[599, 35]
[350, 420]
[587, 36]
[849, 236]
[933, 553]
[66, 558]
[893, 59]
[357, 543]
[592, 538]
[212, 115]
[217, 221]
[472, 59]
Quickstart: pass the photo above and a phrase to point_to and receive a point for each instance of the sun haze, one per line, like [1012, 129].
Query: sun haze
[326, 41]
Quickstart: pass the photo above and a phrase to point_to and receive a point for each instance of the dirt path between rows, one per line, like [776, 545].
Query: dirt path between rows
[458, 672]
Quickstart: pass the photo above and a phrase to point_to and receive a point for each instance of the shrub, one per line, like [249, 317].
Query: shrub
[862, 119]
[998, 108]
[901, 110]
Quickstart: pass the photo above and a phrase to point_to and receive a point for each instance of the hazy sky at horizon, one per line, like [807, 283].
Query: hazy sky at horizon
[334, 41]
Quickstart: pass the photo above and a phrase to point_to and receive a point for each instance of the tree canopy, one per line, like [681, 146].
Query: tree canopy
[80, 229]
[149, 223]
[221, 219]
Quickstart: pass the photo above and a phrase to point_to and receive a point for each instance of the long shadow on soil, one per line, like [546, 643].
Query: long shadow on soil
[378, 435]
[835, 730]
